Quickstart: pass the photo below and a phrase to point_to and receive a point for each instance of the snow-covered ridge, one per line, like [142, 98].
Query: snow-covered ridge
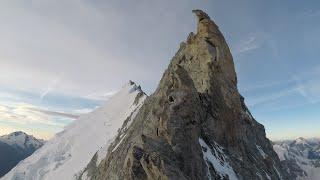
[70, 150]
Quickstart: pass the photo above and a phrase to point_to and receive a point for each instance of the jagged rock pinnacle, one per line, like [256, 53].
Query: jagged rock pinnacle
[196, 112]
[131, 82]
[201, 15]
[206, 56]
[206, 27]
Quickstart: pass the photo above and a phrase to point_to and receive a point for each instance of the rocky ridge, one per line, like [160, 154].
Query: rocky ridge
[195, 125]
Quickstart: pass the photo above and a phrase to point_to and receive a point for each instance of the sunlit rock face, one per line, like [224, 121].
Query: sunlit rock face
[195, 125]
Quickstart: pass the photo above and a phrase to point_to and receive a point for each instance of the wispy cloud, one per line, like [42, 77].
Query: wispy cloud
[310, 90]
[259, 86]
[84, 110]
[23, 113]
[41, 120]
[50, 87]
[101, 96]
[308, 14]
[55, 113]
[305, 84]
[250, 43]
[308, 84]
[270, 97]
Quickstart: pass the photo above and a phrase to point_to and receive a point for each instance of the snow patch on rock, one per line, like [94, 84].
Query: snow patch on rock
[217, 159]
[281, 151]
[262, 153]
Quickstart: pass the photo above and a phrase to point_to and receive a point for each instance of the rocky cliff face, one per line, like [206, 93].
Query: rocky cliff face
[195, 125]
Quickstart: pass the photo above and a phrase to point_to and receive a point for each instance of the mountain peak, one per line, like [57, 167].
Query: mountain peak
[195, 125]
[19, 133]
[131, 83]
[14, 147]
[301, 141]
[206, 27]
[22, 140]
[200, 14]
[213, 47]
[132, 86]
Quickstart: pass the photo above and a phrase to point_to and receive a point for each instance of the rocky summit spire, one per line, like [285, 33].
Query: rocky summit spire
[195, 125]
[206, 27]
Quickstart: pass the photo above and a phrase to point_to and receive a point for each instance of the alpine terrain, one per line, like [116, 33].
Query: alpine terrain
[194, 126]
[64, 156]
[15, 147]
[300, 157]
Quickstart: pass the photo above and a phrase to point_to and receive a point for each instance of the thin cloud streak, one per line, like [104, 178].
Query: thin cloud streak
[55, 113]
[252, 42]
[270, 97]
[101, 96]
[51, 87]
[23, 113]
[305, 84]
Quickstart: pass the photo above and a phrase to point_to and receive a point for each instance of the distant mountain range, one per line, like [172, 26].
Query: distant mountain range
[300, 157]
[16, 147]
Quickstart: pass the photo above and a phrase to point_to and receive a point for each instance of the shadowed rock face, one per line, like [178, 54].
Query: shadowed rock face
[195, 125]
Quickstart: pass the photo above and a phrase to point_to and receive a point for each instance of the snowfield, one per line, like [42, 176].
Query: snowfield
[70, 151]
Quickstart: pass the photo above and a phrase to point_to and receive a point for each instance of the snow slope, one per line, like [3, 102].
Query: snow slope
[70, 150]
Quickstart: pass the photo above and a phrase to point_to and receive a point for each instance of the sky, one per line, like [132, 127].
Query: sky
[62, 59]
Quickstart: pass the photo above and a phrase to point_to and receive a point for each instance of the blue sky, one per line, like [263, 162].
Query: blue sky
[60, 59]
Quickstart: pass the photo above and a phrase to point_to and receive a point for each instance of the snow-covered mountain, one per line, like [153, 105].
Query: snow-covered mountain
[301, 158]
[15, 147]
[68, 153]
[22, 140]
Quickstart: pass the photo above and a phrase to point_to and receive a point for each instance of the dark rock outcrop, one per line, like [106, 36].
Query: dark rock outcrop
[196, 124]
